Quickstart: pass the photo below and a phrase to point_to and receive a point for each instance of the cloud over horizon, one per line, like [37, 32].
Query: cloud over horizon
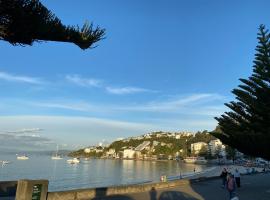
[15, 140]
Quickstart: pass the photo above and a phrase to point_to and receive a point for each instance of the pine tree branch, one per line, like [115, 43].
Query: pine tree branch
[24, 21]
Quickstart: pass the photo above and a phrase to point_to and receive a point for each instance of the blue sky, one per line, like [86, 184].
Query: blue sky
[164, 65]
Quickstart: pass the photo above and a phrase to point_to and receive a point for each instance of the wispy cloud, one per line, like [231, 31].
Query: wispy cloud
[22, 79]
[126, 90]
[91, 82]
[78, 106]
[196, 104]
[85, 82]
[179, 104]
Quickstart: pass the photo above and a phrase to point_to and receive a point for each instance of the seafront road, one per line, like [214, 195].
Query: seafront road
[254, 187]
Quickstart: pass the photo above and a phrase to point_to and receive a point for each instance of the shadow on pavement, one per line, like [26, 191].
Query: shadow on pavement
[175, 195]
[113, 197]
[101, 194]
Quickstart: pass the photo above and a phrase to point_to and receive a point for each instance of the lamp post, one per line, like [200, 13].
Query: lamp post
[186, 148]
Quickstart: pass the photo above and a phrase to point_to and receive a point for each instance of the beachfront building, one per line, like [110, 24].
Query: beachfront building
[196, 147]
[111, 153]
[216, 146]
[129, 153]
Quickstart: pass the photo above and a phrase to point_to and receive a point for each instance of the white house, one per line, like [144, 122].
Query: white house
[178, 136]
[216, 145]
[111, 153]
[128, 153]
[196, 147]
[87, 150]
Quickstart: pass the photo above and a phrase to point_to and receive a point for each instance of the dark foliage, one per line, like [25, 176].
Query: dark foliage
[247, 126]
[25, 21]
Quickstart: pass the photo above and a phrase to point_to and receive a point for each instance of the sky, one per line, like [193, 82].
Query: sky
[163, 66]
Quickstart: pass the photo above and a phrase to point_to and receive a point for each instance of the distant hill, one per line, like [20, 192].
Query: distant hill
[165, 143]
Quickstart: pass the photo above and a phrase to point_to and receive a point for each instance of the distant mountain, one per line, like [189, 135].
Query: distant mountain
[33, 152]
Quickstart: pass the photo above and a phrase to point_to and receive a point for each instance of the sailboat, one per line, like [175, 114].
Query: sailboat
[56, 156]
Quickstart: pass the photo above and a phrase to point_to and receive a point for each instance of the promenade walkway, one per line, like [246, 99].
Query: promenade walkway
[254, 187]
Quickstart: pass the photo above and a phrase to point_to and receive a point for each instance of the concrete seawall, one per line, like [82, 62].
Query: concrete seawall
[86, 194]
[8, 188]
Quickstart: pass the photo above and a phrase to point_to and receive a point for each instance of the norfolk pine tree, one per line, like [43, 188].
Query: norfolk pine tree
[247, 126]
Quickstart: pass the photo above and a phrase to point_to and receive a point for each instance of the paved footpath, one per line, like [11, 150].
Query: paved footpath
[254, 187]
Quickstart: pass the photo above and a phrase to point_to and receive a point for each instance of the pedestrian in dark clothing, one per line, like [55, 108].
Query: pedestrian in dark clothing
[237, 178]
[223, 176]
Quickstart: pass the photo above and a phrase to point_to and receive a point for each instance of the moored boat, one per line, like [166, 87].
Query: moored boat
[195, 160]
[23, 157]
[56, 157]
[73, 160]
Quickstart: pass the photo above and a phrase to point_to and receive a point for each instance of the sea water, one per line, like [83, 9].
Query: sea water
[91, 173]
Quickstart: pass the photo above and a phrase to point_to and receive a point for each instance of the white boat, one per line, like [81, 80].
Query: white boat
[24, 157]
[195, 160]
[56, 156]
[4, 162]
[73, 160]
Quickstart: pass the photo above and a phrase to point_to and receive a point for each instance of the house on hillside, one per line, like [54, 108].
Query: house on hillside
[111, 153]
[216, 146]
[129, 153]
[196, 147]
[155, 143]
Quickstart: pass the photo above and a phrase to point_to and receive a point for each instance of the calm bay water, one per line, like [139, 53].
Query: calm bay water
[91, 173]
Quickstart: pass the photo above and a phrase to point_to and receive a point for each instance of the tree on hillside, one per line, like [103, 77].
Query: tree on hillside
[230, 153]
[204, 151]
[247, 126]
[25, 21]
[217, 153]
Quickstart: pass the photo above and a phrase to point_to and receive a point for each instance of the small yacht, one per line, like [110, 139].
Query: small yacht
[24, 157]
[195, 160]
[56, 157]
[73, 160]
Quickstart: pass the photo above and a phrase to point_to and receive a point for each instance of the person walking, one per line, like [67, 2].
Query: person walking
[223, 177]
[231, 186]
[237, 178]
